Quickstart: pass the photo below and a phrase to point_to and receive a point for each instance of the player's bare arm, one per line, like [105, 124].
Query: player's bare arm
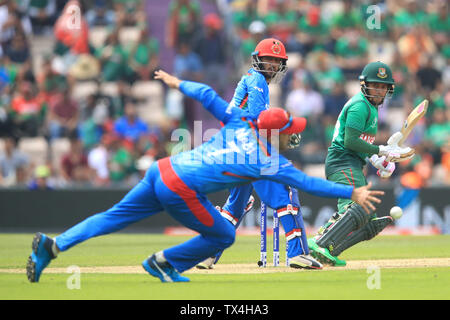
[366, 197]
[172, 81]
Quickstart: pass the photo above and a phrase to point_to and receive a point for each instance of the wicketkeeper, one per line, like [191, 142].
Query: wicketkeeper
[252, 94]
[353, 138]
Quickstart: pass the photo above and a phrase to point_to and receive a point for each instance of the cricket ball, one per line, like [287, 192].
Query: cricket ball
[396, 212]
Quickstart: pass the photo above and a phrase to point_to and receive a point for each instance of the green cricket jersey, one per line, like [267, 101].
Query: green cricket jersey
[361, 116]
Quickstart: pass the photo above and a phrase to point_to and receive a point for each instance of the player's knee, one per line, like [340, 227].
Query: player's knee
[227, 237]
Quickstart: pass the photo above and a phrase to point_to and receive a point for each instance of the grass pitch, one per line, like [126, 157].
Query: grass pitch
[125, 252]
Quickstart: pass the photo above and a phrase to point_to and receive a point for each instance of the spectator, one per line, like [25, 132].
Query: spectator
[12, 22]
[17, 59]
[130, 126]
[98, 159]
[49, 81]
[113, 58]
[187, 64]
[6, 121]
[18, 52]
[129, 12]
[96, 111]
[349, 18]
[28, 111]
[429, 77]
[281, 22]
[298, 72]
[242, 19]
[327, 75]
[401, 76]
[438, 133]
[312, 32]
[121, 162]
[40, 181]
[184, 19]
[409, 17]
[13, 164]
[211, 48]
[335, 100]
[303, 100]
[100, 14]
[42, 14]
[257, 32]
[414, 45]
[352, 53]
[63, 115]
[74, 164]
[446, 164]
[439, 24]
[144, 56]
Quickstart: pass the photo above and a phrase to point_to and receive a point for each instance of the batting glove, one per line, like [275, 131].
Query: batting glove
[393, 152]
[385, 169]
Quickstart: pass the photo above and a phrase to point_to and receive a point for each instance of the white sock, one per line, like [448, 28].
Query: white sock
[160, 257]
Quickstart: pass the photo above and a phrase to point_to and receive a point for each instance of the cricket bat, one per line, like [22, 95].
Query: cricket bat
[410, 122]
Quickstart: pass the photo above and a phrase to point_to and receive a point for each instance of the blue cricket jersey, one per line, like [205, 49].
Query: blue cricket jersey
[236, 155]
[251, 94]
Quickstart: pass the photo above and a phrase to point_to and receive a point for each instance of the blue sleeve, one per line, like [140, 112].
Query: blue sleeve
[208, 97]
[258, 95]
[293, 177]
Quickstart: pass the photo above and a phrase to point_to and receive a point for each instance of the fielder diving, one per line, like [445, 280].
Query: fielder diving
[238, 154]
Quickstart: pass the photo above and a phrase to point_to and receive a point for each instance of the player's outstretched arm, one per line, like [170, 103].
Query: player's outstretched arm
[293, 177]
[203, 93]
[366, 197]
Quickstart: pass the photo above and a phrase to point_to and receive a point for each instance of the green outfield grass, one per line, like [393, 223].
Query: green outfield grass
[131, 249]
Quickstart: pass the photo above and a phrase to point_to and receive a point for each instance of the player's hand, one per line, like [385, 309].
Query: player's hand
[385, 169]
[172, 81]
[377, 161]
[366, 197]
[393, 152]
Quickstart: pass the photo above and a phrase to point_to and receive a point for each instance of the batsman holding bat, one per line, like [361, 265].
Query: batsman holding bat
[353, 138]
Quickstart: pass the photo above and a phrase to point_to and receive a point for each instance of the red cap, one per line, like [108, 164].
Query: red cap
[277, 118]
[270, 48]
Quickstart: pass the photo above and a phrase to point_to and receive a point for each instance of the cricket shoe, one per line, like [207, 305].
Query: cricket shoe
[324, 255]
[164, 271]
[40, 256]
[206, 264]
[303, 261]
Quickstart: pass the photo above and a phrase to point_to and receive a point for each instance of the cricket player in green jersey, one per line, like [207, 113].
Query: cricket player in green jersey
[352, 144]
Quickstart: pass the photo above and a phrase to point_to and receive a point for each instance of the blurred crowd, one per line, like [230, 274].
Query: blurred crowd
[109, 143]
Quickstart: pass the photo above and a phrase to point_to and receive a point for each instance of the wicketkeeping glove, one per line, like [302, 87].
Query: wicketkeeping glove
[393, 152]
[294, 140]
